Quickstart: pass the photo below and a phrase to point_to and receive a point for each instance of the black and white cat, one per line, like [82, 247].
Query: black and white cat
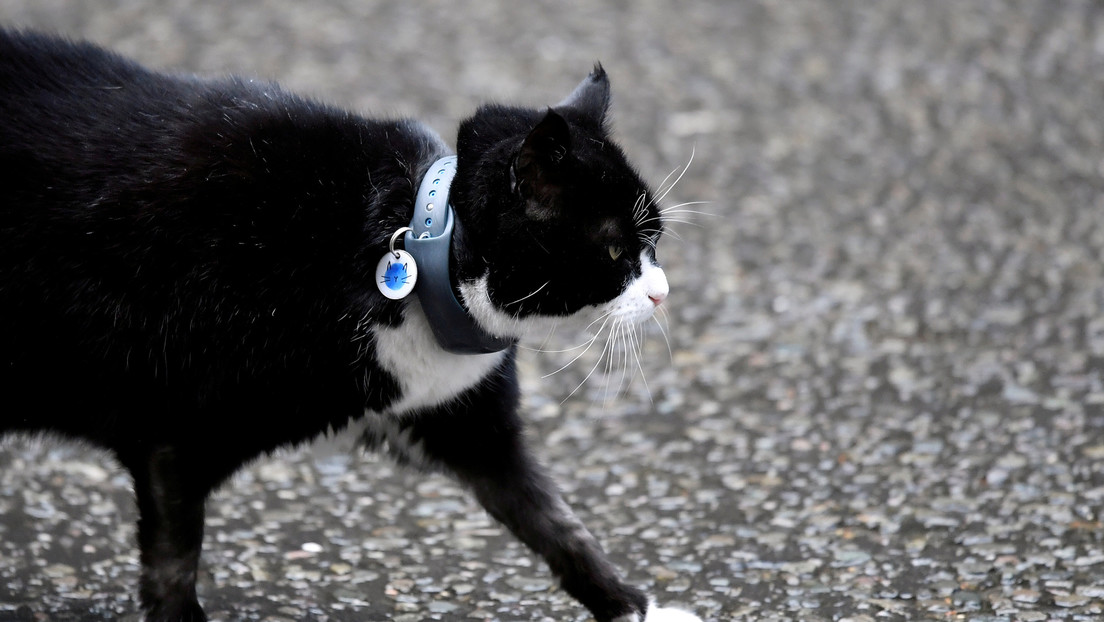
[189, 278]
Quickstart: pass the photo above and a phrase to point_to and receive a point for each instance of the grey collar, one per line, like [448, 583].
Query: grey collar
[430, 244]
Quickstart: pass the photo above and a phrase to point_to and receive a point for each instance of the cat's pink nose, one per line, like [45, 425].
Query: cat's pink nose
[655, 283]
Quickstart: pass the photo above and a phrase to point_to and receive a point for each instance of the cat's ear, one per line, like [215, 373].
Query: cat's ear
[538, 168]
[591, 97]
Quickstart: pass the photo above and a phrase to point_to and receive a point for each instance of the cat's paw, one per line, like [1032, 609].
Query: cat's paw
[664, 614]
[661, 614]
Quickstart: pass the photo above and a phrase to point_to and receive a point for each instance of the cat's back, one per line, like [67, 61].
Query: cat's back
[78, 122]
[56, 93]
[161, 229]
[34, 63]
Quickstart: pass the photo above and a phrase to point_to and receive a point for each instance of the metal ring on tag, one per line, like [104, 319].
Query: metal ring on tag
[395, 236]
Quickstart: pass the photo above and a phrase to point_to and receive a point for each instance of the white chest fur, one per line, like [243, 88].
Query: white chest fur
[428, 375]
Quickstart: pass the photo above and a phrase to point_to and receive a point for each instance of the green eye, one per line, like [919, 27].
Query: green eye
[614, 251]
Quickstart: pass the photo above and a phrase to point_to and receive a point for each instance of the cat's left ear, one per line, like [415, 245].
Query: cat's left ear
[592, 97]
[537, 171]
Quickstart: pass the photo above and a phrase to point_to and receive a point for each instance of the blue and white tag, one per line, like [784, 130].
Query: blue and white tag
[396, 274]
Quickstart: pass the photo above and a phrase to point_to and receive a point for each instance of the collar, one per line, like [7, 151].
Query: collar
[430, 244]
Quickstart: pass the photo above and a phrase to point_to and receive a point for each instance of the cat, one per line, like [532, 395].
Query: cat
[189, 279]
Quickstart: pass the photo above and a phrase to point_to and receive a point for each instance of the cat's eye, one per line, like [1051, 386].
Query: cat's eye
[615, 251]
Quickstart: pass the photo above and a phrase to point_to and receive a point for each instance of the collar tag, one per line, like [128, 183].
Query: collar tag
[396, 272]
[430, 243]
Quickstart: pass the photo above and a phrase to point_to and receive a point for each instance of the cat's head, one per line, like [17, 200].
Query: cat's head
[555, 220]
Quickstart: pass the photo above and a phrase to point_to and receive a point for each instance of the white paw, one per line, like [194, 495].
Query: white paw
[664, 614]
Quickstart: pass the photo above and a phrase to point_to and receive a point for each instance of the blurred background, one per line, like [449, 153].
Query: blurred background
[882, 397]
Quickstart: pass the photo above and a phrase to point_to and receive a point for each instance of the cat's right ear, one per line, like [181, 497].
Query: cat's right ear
[591, 97]
[537, 172]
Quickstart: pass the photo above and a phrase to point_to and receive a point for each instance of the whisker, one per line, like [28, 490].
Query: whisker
[609, 366]
[626, 348]
[601, 317]
[667, 220]
[542, 349]
[687, 203]
[535, 292]
[665, 313]
[665, 213]
[640, 208]
[551, 331]
[615, 333]
[680, 221]
[677, 179]
[670, 352]
[591, 372]
[579, 355]
[670, 233]
[661, 187]
[639, 365]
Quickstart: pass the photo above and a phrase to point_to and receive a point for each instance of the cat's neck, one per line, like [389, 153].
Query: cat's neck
[436, 243]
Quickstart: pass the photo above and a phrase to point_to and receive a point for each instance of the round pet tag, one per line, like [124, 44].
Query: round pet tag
[396, 274]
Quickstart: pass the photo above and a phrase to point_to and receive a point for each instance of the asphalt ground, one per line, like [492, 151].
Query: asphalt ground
[883, 398]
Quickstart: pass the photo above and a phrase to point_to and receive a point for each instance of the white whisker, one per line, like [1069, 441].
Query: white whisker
[543, 350]
[662, 185]
[666, 315]
[535, 292]
[589, 345]
[600, 317]
[663, 195]
[667, 221]
[664, 220]
[680, 221]
[637, 352]
[548, 337]
[626, 351]
[665, 213]
[640, 208]
[669, 233]
[609, 365]
[681, 205]
[591, 372]
[670, 352]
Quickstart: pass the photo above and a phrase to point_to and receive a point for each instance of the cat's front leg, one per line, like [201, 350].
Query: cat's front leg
[485, 449]
[171, 492]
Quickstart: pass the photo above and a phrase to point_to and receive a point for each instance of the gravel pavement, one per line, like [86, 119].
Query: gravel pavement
[884, 395]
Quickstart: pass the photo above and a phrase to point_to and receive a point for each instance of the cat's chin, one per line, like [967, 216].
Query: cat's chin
[501, 324]
[477, 299]
[635, 305]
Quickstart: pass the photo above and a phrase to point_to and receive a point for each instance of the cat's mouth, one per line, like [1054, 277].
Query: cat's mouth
[643, 295]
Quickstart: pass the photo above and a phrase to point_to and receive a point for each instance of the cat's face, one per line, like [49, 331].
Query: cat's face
[562, 223]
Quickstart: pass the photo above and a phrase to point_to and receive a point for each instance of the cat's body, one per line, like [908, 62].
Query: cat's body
[187, 278]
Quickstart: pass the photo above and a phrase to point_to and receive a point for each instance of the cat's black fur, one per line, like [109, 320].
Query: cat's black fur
[186, 279]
